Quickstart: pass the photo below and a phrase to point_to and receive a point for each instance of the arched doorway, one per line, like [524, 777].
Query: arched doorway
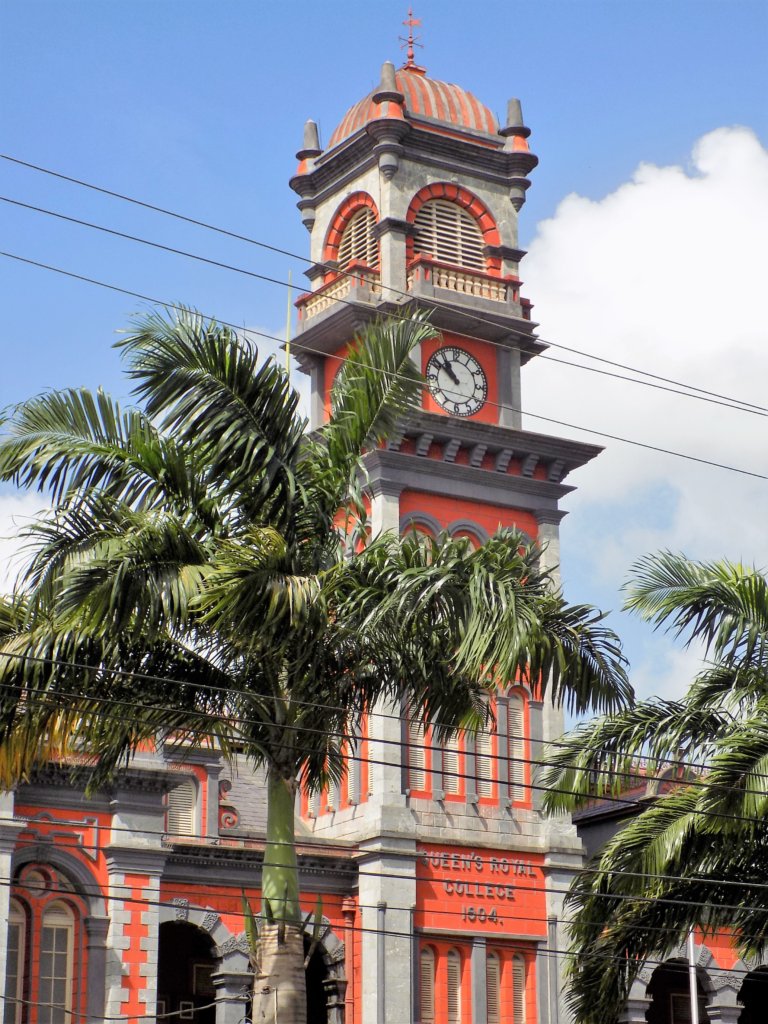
[184, 973]
[670, 992]
[317, 985]
[753, 994]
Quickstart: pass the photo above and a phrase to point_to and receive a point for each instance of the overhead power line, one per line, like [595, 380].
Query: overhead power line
[468, 777]
[688, 388]
[296, 345]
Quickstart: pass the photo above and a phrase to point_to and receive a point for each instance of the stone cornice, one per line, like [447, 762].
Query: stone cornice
[320, 335]
[467, 154]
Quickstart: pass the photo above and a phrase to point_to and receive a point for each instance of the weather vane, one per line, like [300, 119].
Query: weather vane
[411, 23]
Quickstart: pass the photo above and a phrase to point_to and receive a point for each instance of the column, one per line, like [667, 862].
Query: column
[387, 886]
[233, 989]
[9, 831]
[385, 507]
[135, 862]
[553, 722]
[479, 981]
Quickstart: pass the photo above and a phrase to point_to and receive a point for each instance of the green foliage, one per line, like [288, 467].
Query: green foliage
[195, 546]
[697, 856]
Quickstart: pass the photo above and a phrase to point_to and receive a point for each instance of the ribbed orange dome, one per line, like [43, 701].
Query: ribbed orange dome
[424, 97]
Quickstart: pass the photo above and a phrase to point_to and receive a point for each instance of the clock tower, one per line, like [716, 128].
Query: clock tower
[413, 205]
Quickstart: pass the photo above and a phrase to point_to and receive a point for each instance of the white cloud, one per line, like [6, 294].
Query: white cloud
[667, 274]
[16, 510]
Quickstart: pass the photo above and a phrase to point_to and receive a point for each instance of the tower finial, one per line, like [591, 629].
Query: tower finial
[410, 23]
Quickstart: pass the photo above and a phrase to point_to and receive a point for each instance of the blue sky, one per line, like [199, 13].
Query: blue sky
[199, 107]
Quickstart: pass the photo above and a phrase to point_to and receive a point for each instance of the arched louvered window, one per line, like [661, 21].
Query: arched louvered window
[448, 233]
[493, 988]
[515, 734]
[14, 964]
[453, 969]
[182, 803]
[518, 990]
[451, 765]
[358, 240]
[427, 986]
[56, 969]
[417, 756]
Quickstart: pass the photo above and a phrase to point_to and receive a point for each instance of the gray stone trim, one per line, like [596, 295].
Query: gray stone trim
[505, 252]
[230, 949]
[320, 335]
[469, 526]
[85, 883]
[382, 486]
[419, 519]
[478, 982]
[549, 516]
[460, 155]
[96, 930]
[135, 859]
[435, 477]
[392, 224]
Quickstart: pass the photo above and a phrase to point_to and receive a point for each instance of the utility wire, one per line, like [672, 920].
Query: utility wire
[298, 346]
[208, 687]
[516, 944]
[531, 786]
[308, 848]
[723, 399]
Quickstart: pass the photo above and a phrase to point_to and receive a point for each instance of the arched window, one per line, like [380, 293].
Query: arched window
[427, 985]
[448, 233]
[182, 805]
[14, 964]
[518, 990]
[55, 978]
[516, 740]
[358, 240]
[453, 1006]
[493, 988]
[48, 960]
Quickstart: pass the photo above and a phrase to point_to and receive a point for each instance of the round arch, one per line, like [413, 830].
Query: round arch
[351, 205]
[467, 200]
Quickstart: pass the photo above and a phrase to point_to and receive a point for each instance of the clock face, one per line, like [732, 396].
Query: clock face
[456, 381]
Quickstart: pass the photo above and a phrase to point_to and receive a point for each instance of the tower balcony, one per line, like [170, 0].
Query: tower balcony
[359, 283]
[428, 277]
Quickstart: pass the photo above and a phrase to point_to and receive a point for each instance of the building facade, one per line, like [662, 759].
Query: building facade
[442, 882]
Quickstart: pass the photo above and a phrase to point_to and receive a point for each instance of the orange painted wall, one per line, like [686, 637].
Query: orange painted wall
[459, 889]
[448, 510]
[485, 355]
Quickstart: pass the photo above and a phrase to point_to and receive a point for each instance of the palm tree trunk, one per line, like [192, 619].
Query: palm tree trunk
[280, 993]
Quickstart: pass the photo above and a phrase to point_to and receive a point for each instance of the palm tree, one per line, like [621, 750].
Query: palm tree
[698, 856]
[201, 540]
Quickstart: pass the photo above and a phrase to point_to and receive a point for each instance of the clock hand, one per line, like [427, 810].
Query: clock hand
[449, 370]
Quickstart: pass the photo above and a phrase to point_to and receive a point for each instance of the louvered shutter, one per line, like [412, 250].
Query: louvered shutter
[358, 241]
[518, 990]
[353, 772]
[417, 756]
[454, 987]
[181, 809]
[493, 989]
[451, 780]
[515, 726]
[427, 986]
[484, 763]
[448, 233]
